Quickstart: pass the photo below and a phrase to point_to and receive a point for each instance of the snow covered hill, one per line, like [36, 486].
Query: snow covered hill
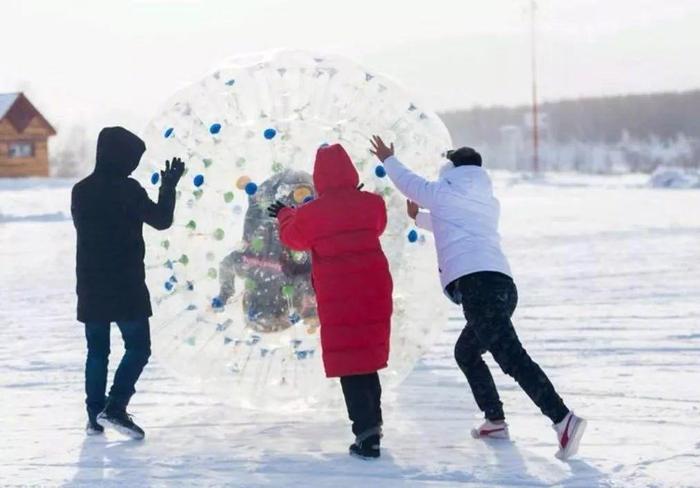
[608, 271]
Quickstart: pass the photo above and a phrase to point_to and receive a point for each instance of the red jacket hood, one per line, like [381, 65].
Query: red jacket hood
[334, 169]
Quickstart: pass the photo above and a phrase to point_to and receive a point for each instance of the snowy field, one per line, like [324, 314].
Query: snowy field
[609, 278]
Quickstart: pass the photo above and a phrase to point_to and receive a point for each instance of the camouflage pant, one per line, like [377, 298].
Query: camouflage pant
[488, 300]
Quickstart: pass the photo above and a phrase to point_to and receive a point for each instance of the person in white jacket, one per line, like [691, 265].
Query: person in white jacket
[462, 212]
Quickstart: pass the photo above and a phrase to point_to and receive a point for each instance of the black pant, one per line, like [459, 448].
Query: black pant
[363, 397]
[137, 345]
[488, 300]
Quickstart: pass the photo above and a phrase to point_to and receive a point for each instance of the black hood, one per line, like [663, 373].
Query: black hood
[118, 152]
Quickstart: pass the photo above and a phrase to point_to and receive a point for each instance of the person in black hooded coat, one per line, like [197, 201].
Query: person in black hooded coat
[109, 210]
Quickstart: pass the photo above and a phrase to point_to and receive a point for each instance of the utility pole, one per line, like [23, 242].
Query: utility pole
[535, 118]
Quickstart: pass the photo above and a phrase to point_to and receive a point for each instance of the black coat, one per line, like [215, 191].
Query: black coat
[109, 210]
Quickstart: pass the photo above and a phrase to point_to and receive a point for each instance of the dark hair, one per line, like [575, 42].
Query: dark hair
[464, 156]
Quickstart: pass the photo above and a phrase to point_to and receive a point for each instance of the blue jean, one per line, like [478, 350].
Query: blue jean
[137, 344]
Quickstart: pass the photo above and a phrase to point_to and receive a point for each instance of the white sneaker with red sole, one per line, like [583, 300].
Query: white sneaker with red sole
[491, 430]
[569, 432]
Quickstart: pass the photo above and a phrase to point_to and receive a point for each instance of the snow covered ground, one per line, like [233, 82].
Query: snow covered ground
[609, 277]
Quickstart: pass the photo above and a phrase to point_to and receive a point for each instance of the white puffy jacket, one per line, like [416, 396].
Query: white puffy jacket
[462, 213]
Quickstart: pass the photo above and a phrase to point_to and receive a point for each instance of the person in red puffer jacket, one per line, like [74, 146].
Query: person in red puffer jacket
[353, 285]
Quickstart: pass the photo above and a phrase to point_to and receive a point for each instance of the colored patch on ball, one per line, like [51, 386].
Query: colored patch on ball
[242, 182]
[301, 193]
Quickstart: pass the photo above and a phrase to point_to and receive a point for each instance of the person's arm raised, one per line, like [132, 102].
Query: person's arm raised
[412, 185]
[158, 215]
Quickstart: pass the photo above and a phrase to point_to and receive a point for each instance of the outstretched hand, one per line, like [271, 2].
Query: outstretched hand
[274, 209]
[173, 172]
[380, 149]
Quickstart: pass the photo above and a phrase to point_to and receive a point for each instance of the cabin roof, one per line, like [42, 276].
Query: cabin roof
[19, 111]
[6, 101]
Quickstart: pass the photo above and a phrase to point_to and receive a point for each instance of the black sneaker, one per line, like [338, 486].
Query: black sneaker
[93, 428]
[121, 422]
[366, 449]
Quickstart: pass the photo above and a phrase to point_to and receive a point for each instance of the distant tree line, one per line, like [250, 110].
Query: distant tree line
[604, 119]
[629, 124]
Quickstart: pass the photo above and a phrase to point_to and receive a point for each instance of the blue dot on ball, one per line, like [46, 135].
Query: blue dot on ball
[217, 303]
[251, 188]
[380, 171]
[412, 236]
[269, 133]
[168, 285]
[215, 128]
[155, 177]
[198, 180]
[168, 132]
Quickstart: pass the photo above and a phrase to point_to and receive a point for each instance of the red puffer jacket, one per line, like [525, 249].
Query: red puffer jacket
[350, 273]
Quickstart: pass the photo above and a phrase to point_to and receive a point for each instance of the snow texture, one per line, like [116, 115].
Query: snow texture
[608, 271]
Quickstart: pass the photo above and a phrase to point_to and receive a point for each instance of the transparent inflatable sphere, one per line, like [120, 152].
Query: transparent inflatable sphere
[232, 306]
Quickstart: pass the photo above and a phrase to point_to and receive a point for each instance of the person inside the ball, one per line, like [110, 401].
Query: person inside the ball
[109, 210]
[350, 275]
[266, 267]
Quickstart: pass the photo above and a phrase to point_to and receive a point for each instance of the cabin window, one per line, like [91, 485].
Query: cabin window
[21, 150]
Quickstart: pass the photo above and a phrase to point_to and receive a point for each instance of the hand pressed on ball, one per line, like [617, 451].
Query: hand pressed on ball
[412, 209]
[173, 172]
[274, 209]
[380, 149]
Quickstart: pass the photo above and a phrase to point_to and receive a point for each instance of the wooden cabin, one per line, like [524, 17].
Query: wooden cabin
[24, 135]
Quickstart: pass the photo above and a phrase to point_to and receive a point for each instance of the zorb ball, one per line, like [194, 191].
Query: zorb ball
[232, 306]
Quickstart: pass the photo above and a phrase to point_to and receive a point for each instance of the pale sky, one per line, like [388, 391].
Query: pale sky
[115, 62]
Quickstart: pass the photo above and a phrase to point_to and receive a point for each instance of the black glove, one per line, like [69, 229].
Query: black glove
[172, 173]
[275, 208]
